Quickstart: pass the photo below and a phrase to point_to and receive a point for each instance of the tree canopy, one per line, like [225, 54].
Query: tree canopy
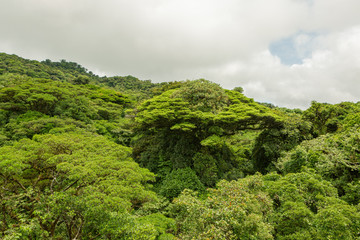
[89, 157]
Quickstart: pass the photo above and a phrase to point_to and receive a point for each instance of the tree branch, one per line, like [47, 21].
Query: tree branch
[70, 185]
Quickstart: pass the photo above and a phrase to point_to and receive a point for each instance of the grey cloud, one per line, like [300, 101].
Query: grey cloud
[164, 40]
[330, 75]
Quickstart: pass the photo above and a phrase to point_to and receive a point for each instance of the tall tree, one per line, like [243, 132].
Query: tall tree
[75, 185]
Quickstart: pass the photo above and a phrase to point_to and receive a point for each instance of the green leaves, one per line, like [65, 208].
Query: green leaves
[186, 127]
[31, 106]
[184, 106]
[235, 210]
[319, 114]
[177, 181]
[197, 116]
[334, 157]
[202, 95]
[67, 178]
[51, 97]
[327, 118]
[61, 180]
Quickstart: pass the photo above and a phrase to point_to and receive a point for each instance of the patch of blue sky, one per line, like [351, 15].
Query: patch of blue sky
[295, 48]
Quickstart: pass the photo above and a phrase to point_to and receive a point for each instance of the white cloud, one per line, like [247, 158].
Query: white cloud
[331, 74]
[224, 41]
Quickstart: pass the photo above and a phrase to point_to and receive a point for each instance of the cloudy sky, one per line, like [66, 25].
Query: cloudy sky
[287, 52]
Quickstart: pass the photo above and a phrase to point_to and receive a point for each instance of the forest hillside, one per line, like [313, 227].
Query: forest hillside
[89, 157]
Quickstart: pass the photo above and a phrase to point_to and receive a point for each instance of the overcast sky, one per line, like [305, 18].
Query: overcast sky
[286, 52]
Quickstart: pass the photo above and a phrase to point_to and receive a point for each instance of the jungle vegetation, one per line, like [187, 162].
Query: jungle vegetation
[89, 157]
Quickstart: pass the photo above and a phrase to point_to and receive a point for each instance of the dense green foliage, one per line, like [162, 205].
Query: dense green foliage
[70, 185]
[89, 157]
[188, 127]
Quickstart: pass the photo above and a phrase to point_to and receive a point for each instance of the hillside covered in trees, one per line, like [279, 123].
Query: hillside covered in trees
[89, 157]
